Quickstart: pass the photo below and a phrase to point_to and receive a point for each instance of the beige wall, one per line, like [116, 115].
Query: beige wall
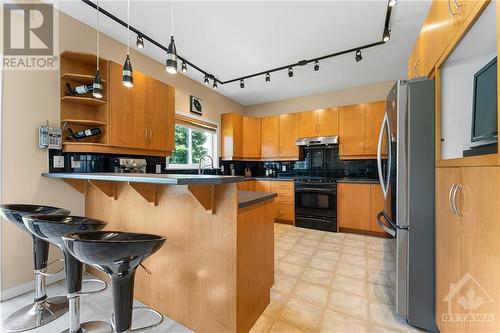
[361, 94]
[32, 97]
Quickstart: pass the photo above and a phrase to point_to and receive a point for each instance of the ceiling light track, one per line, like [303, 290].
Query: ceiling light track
[386, 33]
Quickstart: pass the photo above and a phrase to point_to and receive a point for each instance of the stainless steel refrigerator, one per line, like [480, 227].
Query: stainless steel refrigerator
[407, 181]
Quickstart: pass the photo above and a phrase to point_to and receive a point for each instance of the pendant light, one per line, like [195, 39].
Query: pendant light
[127, 73]
[206, 81]
[290, 72]
[387, 35]
[316, 66]
[358, 56]
[184, 67]
[171, 63]
[242, 83]
[215, 84]
[268, 77]
[97, 84]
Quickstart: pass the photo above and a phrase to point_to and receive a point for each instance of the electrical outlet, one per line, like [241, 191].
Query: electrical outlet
[58, 161]
[158, 168]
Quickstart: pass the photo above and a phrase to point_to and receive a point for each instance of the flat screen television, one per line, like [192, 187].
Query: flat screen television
[484, 103]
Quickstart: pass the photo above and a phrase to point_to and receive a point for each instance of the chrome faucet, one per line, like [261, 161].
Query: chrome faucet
[202, 168]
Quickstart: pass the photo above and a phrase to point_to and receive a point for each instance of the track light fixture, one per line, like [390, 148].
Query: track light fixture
[242, 83]
[316, 66]
[139, 42]
[97, 84]
[358, 57]
[215, 84]
[387, 35]
[184, 67]
[127, 73]
[171, 61]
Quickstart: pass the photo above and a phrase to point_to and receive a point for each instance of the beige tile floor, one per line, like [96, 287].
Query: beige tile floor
[331, 282]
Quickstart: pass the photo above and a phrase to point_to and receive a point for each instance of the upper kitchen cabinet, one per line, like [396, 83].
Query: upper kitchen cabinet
[142, 116]
[133, 121]
[321, 122]
[289, 133]
[251, 137]
[270, 136]
[359, 128]
[441, 27]
[232, 136]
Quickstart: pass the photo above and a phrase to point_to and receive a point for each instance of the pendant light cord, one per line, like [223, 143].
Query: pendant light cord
[128, 27]
[97, 3]
[171, 17]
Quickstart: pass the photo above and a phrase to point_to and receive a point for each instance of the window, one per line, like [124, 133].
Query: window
[193, 139]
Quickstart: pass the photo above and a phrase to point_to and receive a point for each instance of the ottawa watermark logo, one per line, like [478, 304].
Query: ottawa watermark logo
[466, 303]
[28, 36]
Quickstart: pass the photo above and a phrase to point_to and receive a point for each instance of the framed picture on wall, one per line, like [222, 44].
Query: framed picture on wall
[196, 105]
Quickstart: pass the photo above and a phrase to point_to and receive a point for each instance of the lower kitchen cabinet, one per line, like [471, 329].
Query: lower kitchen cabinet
[357, 207]
[284, 203]
[468, 249]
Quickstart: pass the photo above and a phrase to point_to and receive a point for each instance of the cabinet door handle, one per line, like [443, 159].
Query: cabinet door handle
[450, 10]
[145, 135]
[450, 198]
[457, 188]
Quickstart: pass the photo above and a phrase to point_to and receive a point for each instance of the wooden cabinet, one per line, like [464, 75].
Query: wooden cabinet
[142, 116]
[321, 122]
[289, 133]
[284, 202]
[251, 137]
[270, 136]
[359, 127]
[262, 186]
[231, 136]
[357, 207]
[247, 185]
[278, 137]
[467, 246]
[374, 117]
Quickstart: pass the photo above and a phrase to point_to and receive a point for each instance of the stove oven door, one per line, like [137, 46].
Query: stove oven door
[316, 206]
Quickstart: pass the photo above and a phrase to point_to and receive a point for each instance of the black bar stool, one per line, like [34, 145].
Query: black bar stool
[51, 228]
[43, 310]
[117, 254]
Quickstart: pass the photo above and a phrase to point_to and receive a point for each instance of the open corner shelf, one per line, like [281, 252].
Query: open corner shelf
[83, 100]
[83, 122]
[80, 78]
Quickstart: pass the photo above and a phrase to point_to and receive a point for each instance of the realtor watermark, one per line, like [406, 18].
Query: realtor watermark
[29, 36]
[466, 302]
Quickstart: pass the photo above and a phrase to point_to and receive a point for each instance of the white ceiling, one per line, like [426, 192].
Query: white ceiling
[236, 38]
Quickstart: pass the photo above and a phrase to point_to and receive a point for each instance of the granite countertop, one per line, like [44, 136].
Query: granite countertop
[248, 198]
[358, 180]
[151, 178]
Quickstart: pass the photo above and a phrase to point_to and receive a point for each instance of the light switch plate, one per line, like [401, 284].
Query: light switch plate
[58, 161]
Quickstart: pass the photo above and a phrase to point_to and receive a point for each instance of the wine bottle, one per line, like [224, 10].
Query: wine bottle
[83, 134]
[79, 90]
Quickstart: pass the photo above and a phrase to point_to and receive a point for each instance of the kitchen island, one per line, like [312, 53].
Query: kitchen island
[216, 269]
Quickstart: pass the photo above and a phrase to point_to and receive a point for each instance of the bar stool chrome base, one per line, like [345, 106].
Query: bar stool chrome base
[35, 315]
[93, 327]
[143, 328]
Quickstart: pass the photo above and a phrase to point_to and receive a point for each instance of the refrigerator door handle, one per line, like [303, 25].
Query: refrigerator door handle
[390, 231]
[385, 122]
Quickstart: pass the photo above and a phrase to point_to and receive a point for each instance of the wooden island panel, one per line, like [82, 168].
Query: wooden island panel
[215, 271]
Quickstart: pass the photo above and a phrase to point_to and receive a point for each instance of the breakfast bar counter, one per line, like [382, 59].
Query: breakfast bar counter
[215, 271]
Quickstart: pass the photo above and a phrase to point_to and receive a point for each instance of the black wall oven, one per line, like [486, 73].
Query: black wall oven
[316, 204]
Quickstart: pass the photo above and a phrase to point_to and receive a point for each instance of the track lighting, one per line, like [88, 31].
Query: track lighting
[97, 84]
[393, 3]
[127, 73]
[242, 84]
[358, 57]
[316, 66]
[139, 42]
[268, 77]
[171, 63]
[290, 71]
[206, 81]
[215, 84]
[184, 67]
[387, 35]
